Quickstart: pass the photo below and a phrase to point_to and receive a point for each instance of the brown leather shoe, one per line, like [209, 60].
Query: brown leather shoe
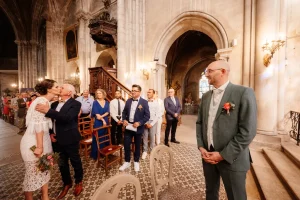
[78, 189]
[64, 191]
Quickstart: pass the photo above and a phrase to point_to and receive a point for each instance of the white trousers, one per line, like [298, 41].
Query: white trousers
[157, 135]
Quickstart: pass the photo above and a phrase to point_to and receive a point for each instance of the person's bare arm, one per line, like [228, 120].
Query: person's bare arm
[39, 144]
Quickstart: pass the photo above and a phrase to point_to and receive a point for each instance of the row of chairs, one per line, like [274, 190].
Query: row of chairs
[108, 155]
[159, 157]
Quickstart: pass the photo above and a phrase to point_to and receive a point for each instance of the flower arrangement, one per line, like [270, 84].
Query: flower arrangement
[227, 107]
[47, 161]
[140, 107]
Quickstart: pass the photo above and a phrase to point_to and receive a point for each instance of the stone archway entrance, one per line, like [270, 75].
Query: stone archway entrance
[107, 61]
[187, 21]
[187, 58]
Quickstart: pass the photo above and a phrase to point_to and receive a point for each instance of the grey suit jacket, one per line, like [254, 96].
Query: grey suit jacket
[232, 133]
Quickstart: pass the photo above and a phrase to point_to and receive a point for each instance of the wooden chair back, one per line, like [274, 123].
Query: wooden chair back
[110, 189]
[107, 152]
[85, 126]
[157, 157]
[106, 136]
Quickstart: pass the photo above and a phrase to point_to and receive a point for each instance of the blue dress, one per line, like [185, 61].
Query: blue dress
[98, 109]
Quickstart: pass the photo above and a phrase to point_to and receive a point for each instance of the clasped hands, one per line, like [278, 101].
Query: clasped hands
[135, 124]
[210, 157]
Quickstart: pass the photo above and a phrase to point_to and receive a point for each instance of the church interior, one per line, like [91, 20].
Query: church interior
[160, 44]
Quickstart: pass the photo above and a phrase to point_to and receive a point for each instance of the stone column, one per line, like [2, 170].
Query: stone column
[33, 63]
[248, 44]
[160, 79]
[55, 51]
[82, 46]
[49, 30]
[121, 52]
[281, 68]
[266, 78]
[21, 81]
[27, 63]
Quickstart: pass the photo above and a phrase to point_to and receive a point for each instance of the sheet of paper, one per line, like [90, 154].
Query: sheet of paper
[131, 128]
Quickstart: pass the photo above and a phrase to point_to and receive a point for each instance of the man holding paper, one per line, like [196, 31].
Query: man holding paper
[135, 114]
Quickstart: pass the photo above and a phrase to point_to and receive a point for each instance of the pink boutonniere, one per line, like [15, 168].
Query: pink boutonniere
[227, 107]
[140, 107]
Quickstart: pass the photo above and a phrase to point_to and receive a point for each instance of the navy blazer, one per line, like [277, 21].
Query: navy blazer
[171, 109]
[141, 115]
[66, 121]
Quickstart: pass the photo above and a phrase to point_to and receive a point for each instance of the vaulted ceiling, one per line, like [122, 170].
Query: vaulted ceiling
[25, 16]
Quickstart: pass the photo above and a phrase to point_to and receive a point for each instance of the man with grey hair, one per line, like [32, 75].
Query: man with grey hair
[86, 104]
[65, 137]
[173, 108]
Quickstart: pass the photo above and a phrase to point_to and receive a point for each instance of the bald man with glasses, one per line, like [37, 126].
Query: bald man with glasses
[225, 127]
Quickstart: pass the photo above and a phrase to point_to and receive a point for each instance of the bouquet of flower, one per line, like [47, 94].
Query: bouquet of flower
[47, 161]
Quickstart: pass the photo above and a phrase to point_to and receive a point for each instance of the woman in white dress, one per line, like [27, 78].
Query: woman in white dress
[37, 134]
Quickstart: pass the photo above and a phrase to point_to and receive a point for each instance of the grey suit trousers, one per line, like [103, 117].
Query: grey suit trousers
[234, 182]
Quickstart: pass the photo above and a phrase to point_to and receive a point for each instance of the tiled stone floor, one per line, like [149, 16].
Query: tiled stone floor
[187, 171]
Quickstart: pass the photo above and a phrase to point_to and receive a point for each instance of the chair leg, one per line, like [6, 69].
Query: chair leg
[106, 171]
[85, 151]
[121, 155]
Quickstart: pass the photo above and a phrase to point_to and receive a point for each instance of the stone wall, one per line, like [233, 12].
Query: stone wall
[167, 20]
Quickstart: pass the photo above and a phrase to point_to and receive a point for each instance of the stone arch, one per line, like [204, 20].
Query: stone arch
[105, 57]
[191, 20]
[11, 18]
[192, 67]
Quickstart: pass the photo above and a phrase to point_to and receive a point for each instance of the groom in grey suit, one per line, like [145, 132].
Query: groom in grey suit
[225, 127]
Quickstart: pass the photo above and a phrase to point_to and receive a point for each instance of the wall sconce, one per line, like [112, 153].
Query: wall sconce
[145, 71]
[272, 48]
[14, 85]
[40, 79]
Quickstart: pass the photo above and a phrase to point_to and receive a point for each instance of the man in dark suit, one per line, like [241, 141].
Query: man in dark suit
[22, 110]
[65, 137]
[135, 114]
[173, 108]
[225, 127]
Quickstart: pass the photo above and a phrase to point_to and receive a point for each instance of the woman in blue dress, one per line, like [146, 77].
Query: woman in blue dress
[100, 112]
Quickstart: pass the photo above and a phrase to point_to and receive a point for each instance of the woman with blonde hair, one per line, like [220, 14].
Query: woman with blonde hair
[100, 112]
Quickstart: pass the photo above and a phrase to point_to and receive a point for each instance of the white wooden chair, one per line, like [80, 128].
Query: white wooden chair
[110, 189]
[157, 157]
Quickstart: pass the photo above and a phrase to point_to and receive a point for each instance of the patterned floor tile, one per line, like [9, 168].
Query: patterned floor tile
[188, 173]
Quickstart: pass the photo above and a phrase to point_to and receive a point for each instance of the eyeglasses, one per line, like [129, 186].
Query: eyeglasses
[208, 71]
[135, 91]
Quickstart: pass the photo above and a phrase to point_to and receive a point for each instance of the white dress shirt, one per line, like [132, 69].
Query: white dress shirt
[113, 108]
[133, 107]
[154, 112]
[213, 108]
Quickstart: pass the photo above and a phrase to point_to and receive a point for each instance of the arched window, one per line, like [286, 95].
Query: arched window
[203, 85]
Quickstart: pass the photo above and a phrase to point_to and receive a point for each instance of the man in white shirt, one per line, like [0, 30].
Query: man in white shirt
[160, 117]
[116, 108]
[151, 126]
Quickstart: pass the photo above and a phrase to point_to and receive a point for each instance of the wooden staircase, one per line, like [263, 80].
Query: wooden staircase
[101, 78]
[277, 171]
